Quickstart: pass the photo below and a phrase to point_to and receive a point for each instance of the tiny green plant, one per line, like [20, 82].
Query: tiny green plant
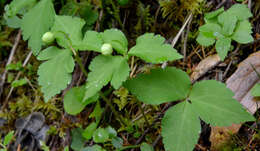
[7, 139]
[224, 26]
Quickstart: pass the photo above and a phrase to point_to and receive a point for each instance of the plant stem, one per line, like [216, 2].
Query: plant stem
[113, 109]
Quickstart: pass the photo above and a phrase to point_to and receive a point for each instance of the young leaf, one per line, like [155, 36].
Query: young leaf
[214, 13]
[205, 41]
[8, 138]
[223, 46]
[104, 69]
[160, 86]
[151, 48]
[36, 22]
[117, 39]
[73, 100]
[243, 32]
[180, 127]
[228, 22]
[100, 135]
[55, 73]
[78, 140]
[88, 132]
[215, 105]
[146, 147]
[256, 90]
[67, 30]
[241, 11]
[211, 30]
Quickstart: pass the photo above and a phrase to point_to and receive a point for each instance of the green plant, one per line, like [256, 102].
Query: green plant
[7, 140]
[224, 26]
[208, 100]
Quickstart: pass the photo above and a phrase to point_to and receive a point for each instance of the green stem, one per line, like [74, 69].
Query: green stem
[113, 109]
[128, 147]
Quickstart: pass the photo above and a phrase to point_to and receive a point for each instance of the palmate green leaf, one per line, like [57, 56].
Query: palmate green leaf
[73, 100]
[160, 86]
[180, 127]
[222, 47]
[36, 22]
[151, 48]
[256, 90]
[55, 73]
[67, 30]
[215, 105]
[243, 32]
[105, 69]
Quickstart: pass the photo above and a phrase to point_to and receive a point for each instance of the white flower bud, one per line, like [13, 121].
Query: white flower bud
[48, 37]
[106, 49]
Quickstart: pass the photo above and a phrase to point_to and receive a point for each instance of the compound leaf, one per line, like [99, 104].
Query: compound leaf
[256, 90]
[55, 73]
[67, 30]
[117, 39]
[151, 48]
[160, 86]
[215, 105]
[223, 46]
[73, 100]
[180, 127]
[36, 22]
[243, 32]
[104, 69]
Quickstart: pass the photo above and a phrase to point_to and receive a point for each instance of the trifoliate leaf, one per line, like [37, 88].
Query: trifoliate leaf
[223, 46]
[241, 11]
[256, 90]
[228, 22]
[117, 39]
[160, 86]
[36, 22]
[215, 105]
[146, 147]
[205, 41]
[100, 135]
[151, 48]
[73, 100]
[211, 30]
[243, 32]
[92, 41]
[55, 73]
[180, 127]
[104, 69]
[67, 30]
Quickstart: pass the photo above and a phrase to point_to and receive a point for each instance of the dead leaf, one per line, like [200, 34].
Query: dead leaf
[204, 66]
[244, 79]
